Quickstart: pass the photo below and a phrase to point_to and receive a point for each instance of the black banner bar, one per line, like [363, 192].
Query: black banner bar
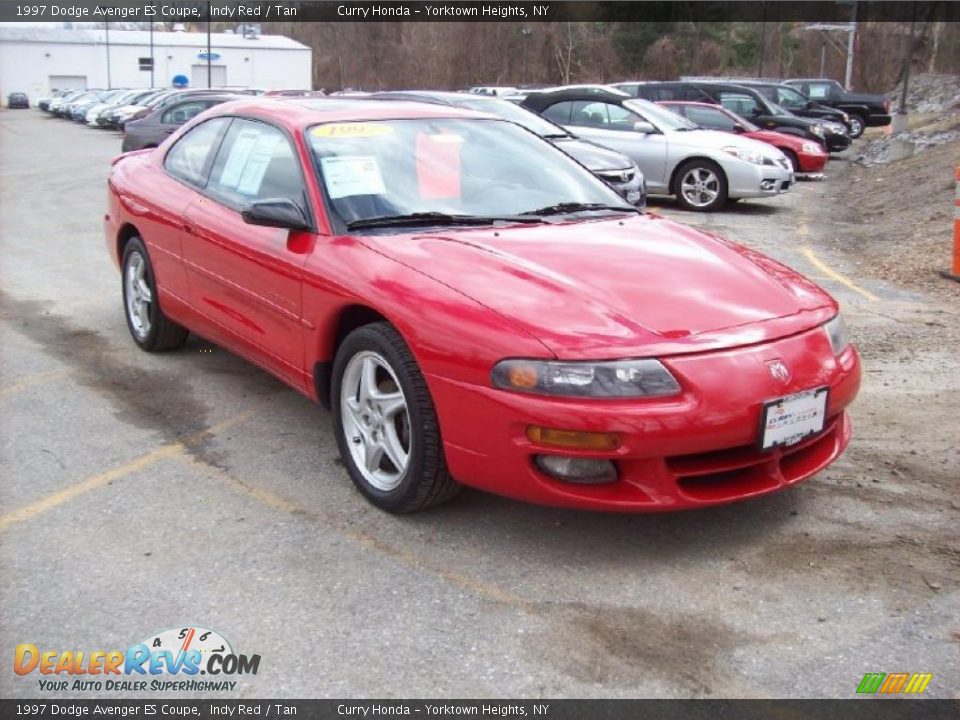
[472, 11]
[871, 708]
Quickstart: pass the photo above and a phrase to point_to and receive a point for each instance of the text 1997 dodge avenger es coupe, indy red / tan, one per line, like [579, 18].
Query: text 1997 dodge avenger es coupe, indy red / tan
[476, 308]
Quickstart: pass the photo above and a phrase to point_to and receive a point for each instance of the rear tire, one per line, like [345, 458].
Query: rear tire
[386, 424]
[150, 328]
[857, 125]
[700, 185]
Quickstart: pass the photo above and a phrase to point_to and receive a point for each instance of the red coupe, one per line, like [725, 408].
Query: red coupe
[805, 156]
[477, 308]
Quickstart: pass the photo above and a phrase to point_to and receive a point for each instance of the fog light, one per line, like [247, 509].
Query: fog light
[768, 184]
[583, 471]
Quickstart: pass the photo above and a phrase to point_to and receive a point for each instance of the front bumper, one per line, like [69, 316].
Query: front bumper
[628, 183]
[837, 142]
[748, 180]
[693, 450]
[812, 162]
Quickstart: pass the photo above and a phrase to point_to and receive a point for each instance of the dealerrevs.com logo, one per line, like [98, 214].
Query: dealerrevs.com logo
[170, 660]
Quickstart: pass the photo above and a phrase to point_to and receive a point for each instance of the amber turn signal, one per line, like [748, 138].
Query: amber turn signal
[573, 438]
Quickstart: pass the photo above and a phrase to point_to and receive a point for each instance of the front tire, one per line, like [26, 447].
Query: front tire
[701, 185]
[150, 328]
[386, 424]
[794, 160]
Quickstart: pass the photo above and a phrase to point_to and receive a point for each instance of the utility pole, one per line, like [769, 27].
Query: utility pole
[526, 33]
[106, 27]
[763, 39]
[851, 43]
[151, 55]
[209, 56]
[900, 122]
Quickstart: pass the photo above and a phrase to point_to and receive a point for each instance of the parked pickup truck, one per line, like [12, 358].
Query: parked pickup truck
[865, 110]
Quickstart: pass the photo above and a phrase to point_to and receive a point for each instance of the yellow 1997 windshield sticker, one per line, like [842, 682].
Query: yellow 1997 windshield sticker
[352, 130]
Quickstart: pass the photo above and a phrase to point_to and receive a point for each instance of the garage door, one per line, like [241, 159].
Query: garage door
[198, 76]
[68, 82]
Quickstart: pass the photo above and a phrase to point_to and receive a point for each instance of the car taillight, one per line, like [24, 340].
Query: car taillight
[886, 104]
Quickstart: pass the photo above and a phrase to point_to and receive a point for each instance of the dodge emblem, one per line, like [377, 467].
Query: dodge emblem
[778, 370]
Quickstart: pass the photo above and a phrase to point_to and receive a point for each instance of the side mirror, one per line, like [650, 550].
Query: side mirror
[738, 128]
[275, 212]
[644, 127]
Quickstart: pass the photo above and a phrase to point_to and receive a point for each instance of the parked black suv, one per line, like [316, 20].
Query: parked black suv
[796, 102]
[865, 110]
[746, 102]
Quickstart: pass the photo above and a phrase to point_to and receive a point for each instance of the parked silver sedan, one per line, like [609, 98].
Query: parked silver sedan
[702, 168]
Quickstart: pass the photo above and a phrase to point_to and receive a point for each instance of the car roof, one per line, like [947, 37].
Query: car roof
[303, 111]
[438, 96]
[539, 100]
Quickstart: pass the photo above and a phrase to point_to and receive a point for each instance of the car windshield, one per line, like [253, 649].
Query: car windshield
[514, 113]
[661, 117]
[463, 169]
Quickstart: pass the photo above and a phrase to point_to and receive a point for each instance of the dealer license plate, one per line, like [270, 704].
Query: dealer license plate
[790, 419]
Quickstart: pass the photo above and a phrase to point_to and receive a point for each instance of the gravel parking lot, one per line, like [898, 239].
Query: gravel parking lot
[145, 492]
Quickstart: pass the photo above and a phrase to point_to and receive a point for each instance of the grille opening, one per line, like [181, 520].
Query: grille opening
[728, 484]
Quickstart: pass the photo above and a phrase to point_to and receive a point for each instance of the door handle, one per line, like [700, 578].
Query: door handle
[187, 227]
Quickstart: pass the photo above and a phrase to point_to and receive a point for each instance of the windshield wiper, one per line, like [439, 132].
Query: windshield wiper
[572, 207]
[556, 136]
[434, 218]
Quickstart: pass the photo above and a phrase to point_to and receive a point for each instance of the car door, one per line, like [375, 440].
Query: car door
[176, 186]
[612, 126]
[245, 278]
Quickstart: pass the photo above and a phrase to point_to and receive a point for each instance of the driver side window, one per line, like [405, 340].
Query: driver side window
[256, 162]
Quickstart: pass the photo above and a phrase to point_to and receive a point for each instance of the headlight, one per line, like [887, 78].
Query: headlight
[817, 130]
[812, 148]
[748, 155]
[613, 379]
[837, 332]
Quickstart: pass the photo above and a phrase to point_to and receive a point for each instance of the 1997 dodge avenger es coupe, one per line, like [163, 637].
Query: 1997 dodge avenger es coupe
[476, 308]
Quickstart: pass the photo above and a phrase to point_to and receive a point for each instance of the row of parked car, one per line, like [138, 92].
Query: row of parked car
[145, 115]
[706, 142]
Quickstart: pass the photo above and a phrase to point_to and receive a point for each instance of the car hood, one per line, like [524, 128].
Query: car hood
[774, 138]
[716, 140]
[593, 157]
[616, 288]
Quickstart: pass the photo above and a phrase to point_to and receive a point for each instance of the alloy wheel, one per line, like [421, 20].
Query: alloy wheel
[700, 186]
[139, 295]
[376, 420]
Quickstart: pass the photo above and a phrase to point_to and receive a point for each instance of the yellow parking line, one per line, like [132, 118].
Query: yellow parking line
[834, 275]
[92, 483]
[406, 558]
[29, 380]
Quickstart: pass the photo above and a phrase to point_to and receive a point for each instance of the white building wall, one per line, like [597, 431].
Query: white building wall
[28, 65]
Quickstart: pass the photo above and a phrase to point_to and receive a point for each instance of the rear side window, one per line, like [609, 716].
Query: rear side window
[256, 162]
[709, 118]
[189, 159]
[739, 104]
[559, 113]
[818, 91]
[179, 114]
